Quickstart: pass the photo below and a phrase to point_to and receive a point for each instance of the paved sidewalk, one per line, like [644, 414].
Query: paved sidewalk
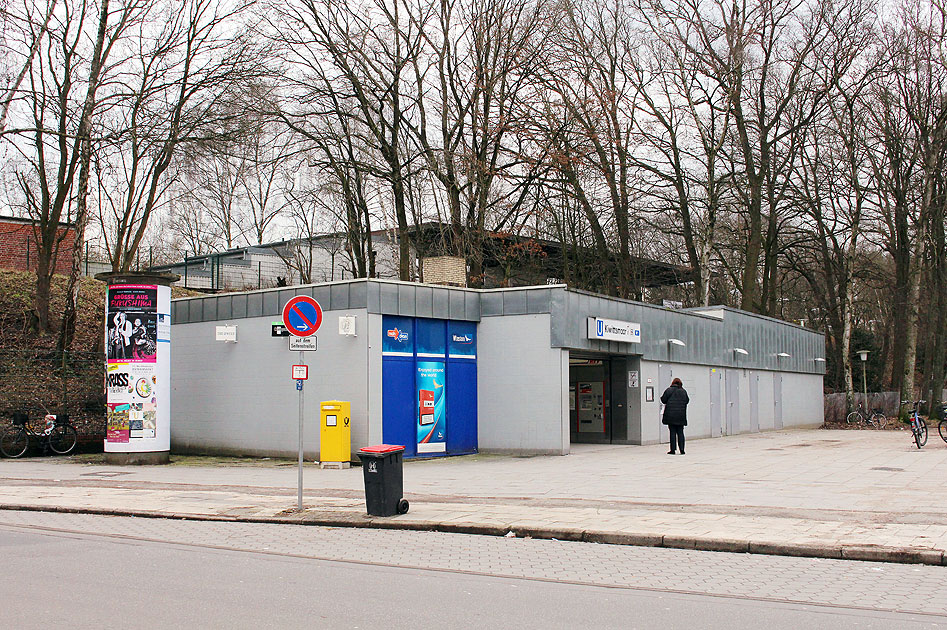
[838, 494]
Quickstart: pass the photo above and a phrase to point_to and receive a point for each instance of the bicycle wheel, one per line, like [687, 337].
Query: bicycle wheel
[14, 441]
[853, 418]
[63, 439]
[920, 432]
[880, 420]
[942, 429]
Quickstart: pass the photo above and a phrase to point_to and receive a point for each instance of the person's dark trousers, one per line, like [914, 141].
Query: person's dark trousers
[677, 437]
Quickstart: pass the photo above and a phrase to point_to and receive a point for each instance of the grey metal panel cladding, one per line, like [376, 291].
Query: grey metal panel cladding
[255, 305]
[339, 296]
[179, 312]
[491, 304]
[285, 295]
[323, 295]
[456, 306]
[358, 295]
[441, 304]
[239, 306]
[208, 309]
[710, 339]
[225, 307]
[424, 302]
[271, 305]
[514, 303]
[472, 306]
[406, 300]
[389, 299]
[373, 297]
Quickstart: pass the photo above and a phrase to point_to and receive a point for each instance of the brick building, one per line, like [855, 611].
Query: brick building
[18, 245]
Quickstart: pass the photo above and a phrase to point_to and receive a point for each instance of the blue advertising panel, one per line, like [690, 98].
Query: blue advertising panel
[429, 377]
[398, 383]
[462, 406]
[432, 407]
[432, 338]
[462, 340]
[397, 336]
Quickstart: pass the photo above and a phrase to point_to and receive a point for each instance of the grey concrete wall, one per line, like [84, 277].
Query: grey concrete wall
[522, 409]
[802, 399]
[239, 398]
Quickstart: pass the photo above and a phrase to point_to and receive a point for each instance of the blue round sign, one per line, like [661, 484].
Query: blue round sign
[302, 316]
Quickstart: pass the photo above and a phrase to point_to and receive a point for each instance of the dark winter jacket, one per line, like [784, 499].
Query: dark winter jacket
[675, 401]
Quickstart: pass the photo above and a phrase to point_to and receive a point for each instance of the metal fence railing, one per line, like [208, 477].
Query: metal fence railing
[38, 382]
[836, 409]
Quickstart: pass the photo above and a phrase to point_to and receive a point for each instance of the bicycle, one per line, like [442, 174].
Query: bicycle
[59, 435]
[875, 419]
[942, 425]
[918, 426]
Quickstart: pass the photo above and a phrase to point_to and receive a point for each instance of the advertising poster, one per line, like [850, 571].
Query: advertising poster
[117, 423]
[133, 404]
[131, 319]
[431, 400]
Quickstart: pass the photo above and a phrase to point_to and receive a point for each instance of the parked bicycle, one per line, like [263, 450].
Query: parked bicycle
[942, 425]
[918, 426]
[58, 435]
[874, 419]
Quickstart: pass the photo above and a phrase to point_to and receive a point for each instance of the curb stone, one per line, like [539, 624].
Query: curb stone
[796, 549]
[623, 538]
[870, 553]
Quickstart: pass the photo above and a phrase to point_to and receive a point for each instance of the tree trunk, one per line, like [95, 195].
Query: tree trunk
[68, 328]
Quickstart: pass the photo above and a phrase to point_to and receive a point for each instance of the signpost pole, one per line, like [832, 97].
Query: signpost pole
[302, 317]
[300, 480]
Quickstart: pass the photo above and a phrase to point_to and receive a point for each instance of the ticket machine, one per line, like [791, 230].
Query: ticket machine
[590, 406]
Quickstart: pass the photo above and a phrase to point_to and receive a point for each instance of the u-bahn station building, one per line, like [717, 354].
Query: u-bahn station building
[450, 371]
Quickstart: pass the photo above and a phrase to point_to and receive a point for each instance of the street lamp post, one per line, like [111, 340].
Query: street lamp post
[864, 357]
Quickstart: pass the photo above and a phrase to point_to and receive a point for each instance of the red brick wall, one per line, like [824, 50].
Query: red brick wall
[18, 246]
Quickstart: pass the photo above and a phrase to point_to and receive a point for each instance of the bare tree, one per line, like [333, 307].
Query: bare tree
[32, 29]
[480, 57]
[354, 61]
[180, 89]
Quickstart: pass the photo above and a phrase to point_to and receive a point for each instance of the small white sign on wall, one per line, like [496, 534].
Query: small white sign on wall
[226, 333]
[347, 325]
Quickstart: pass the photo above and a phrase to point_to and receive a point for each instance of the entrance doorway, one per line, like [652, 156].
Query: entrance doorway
[599, 398]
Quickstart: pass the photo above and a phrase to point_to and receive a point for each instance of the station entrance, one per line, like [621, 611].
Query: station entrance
[599, 398]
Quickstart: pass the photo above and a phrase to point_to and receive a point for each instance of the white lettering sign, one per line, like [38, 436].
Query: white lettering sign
[225, 333]
[614, 330]
[303, 344]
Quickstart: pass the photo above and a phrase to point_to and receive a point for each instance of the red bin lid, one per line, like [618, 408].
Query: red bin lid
[382, 448]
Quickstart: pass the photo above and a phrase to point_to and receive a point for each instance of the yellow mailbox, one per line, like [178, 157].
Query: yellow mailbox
[335, 434]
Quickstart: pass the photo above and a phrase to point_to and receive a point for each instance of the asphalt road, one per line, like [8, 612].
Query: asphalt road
[83, 571]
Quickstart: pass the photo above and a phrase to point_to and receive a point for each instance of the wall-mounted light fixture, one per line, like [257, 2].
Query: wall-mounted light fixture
[737, 351]
[783, 355]
[676, 342]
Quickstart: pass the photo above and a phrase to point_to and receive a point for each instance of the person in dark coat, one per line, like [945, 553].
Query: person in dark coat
[675, 401]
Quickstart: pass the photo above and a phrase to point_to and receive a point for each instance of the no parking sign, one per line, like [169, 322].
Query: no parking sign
[302, 316]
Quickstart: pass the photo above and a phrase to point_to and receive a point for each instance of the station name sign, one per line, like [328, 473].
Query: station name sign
[614, 330]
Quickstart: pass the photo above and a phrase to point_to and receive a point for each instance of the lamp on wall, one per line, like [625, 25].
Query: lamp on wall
[675, 342]
[737, 351]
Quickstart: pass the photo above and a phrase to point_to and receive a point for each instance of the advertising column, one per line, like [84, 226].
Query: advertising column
[138, 367]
